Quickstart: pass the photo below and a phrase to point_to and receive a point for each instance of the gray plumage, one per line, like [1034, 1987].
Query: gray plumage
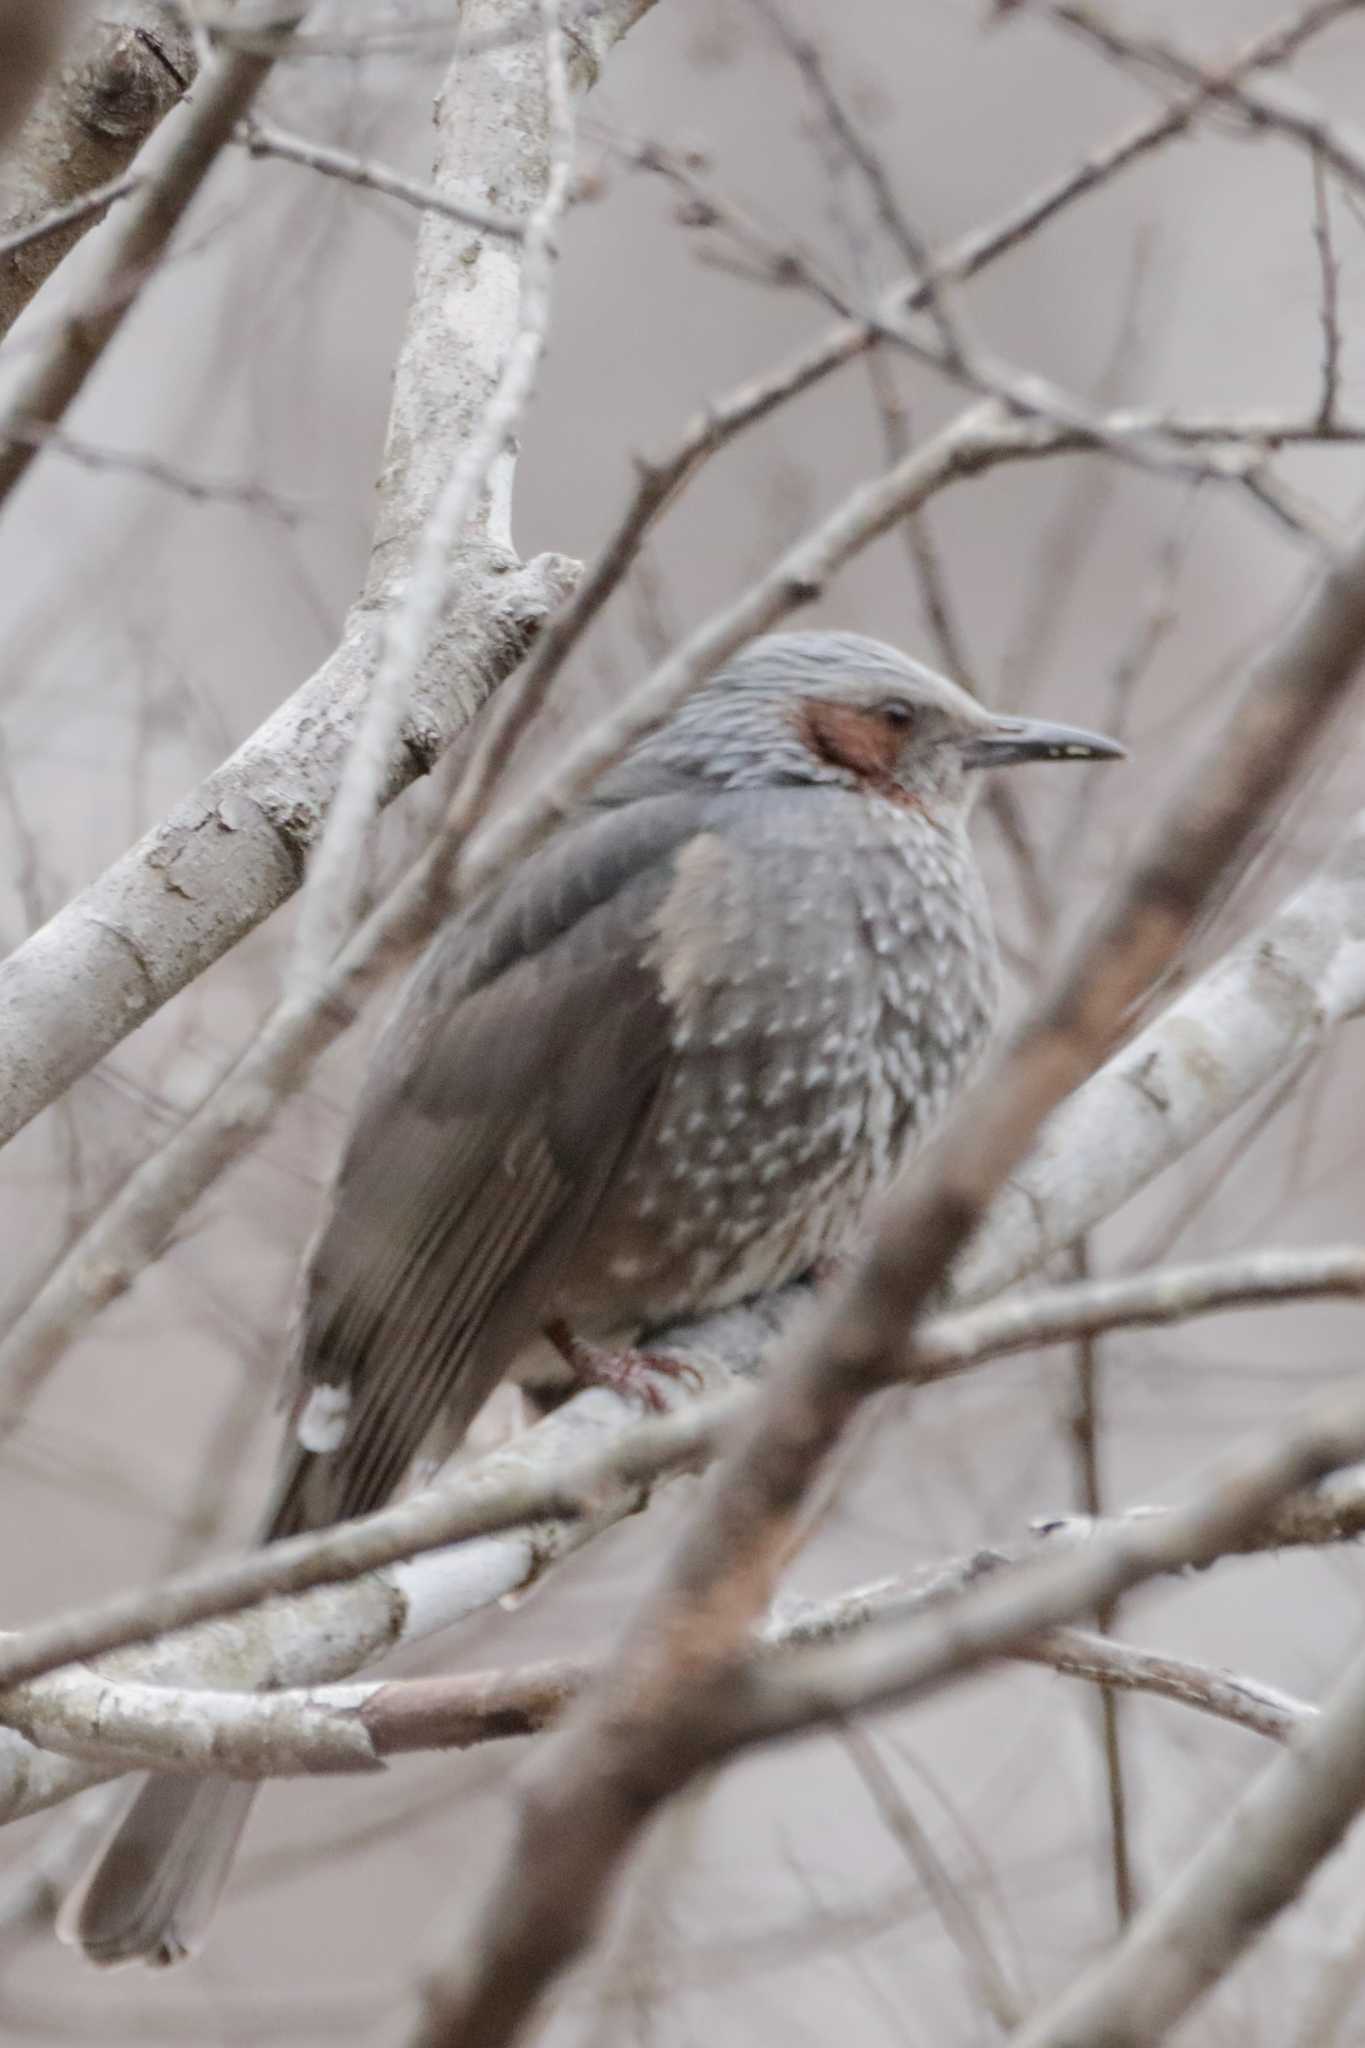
[660, 1068]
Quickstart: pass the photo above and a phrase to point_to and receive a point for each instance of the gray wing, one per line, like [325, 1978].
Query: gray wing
[519, 1065]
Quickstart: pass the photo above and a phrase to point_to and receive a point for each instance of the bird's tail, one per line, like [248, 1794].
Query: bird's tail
[153, 1889]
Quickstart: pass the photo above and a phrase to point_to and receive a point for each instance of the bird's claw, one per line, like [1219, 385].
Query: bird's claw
[626, 1371]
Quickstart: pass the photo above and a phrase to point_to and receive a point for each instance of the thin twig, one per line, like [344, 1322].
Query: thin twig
[1086, 1430]
[1157, 618]
[262, 140]
[72, 214]
[1329, 295]
[960, 1923]
[250, 497]
[914, 250]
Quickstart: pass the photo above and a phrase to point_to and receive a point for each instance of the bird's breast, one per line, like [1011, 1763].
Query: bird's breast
[826, 995]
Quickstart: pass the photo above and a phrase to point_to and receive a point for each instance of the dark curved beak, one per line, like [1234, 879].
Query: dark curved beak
[1008, 740]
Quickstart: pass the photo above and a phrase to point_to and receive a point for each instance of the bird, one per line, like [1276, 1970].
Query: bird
[660, 1067]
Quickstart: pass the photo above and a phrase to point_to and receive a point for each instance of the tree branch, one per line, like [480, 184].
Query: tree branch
[261, 140]
[122, 1724]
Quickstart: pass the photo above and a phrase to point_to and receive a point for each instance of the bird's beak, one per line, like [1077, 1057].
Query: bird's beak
[1007, 740]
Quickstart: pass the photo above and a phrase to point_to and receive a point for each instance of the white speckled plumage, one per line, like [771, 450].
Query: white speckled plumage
[787, 1129]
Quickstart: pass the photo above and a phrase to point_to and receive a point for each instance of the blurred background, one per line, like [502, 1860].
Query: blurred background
[143, 635]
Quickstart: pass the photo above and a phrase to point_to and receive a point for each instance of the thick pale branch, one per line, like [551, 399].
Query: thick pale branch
[130, 1724]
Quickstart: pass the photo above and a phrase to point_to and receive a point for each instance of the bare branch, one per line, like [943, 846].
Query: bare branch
[900, 229]
[1279, 105]
[252, 497]
[1328, 302]
[1261, 1709]
[1085, 1433]
[261, 140]
[77, 212]
[116, 1721]
[989, 1982]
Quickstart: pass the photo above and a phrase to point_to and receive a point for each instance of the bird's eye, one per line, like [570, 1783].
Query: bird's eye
[897, 715]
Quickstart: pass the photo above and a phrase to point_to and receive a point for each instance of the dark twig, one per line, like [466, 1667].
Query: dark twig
[1329, 296]
[72, 214]
[960, 1923]
[915, 252]
[251, 497]
[1086, 1430]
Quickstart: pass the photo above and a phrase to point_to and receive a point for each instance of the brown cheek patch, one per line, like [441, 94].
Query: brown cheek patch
[851, 738]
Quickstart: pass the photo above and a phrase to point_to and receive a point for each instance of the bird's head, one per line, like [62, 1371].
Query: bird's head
[840, 709]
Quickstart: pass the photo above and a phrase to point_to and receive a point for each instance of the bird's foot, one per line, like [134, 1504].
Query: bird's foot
[626, 1370]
